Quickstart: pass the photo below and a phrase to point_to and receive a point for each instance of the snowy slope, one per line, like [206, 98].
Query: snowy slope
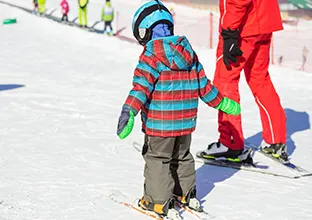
[61, 91]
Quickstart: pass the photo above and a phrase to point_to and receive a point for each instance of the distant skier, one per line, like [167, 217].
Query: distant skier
[173, 13]
[83, 12]
[42, 6]
[246, 28]
[167, 83]
[305, 52]
[65, 10]
[280, 60]
[35, 2]
[108, 17]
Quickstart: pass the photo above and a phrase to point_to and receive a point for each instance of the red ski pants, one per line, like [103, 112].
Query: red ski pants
[255, 62]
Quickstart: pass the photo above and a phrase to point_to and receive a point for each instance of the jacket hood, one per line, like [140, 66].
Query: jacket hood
[175, 52]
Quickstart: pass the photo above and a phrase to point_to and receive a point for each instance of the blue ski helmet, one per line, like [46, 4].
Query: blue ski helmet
[147, 17]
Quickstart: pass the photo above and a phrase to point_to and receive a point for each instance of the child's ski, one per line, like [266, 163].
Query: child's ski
[115, 197]
[202, 214]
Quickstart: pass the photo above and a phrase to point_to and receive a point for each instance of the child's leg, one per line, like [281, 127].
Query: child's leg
[41, 8]
[110, 26]
[183, 166]
[105, 27]
[85, 16]
[80, 15]
[66, 17]
[159, 183]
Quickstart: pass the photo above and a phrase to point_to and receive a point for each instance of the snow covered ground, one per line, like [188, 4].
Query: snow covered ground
[61, 90]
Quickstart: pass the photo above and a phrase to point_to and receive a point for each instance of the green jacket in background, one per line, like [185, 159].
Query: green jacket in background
[108, 12]
[83, 3]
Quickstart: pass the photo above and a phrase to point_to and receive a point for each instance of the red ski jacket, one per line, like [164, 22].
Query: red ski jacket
[65, 7]
[251, 17]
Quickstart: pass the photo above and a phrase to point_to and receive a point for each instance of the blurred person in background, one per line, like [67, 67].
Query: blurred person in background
[65, 10]
[280, 60]
[42, 6]
[83, 12]
[305, 52]
[35, 2]
[108, 17]
[246, 28]
[173, 13]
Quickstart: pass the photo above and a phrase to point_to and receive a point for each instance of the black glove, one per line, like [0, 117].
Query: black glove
[230, 48]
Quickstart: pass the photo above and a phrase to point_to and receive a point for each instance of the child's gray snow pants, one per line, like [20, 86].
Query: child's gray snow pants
[169, 167]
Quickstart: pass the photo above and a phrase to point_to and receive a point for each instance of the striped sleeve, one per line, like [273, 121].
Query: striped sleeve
[207, 92]
[144, 79]
[234, 12]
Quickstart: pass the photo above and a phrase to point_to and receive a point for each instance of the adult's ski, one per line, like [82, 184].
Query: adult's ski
[301, 171]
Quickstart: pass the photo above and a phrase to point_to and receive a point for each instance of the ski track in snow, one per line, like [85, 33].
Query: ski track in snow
[61, 159]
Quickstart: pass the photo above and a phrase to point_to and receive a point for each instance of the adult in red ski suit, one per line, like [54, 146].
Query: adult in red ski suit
[246, 28]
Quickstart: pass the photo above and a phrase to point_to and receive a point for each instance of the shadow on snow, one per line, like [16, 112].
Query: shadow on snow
[207, 176]
[4, 87]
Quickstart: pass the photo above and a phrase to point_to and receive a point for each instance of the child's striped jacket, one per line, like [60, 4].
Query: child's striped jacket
[166, 85]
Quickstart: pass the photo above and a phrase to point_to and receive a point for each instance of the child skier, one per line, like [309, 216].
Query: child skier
[83, 12]
[108, 16]
[65, 10]
[41, 6]
[35, 2]
[166, 85]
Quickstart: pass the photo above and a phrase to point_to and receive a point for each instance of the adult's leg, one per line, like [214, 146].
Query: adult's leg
[258, 78]
[226, 79]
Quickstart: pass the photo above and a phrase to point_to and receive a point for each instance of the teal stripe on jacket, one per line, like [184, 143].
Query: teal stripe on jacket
[170, 56]
[173, 105]
[171, 125]
[210, 95]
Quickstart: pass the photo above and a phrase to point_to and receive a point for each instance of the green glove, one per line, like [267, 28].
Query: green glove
[125, 123]
[229, 106]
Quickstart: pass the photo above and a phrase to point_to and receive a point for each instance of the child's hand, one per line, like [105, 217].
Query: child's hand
[125, 123]
[229, 106]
